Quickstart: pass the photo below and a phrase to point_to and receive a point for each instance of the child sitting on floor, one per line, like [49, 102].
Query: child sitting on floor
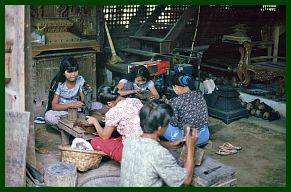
[66, 91]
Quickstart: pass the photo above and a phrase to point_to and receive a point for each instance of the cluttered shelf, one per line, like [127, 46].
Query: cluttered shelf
[37, 49]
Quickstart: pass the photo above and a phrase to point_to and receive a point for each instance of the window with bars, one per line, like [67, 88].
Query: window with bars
[271, 8]
[121, 16]
[223, 11]
[169, 17]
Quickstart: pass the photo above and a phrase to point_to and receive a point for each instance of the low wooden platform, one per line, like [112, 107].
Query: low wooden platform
[213, 173]
[67, 128]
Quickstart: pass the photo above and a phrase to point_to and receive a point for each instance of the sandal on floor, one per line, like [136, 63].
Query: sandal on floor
[226, 152]
[229, 146]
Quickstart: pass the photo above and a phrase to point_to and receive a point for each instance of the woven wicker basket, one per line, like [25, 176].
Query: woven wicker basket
[82, 159]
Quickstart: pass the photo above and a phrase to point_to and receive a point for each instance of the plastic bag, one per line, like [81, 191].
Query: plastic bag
[37, 37]
[81, 144]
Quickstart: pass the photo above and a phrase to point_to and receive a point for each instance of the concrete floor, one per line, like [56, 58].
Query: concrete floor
[261, 162]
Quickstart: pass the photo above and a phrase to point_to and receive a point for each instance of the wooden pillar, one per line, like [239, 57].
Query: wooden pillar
[29, 85]
[65, 137]
[14, 35]
[17, 28]
[276, 35]
[100, 56]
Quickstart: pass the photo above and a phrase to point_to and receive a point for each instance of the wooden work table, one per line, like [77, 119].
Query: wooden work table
[67, 128]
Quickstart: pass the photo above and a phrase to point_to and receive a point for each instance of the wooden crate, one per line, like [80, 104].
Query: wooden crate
[213, 173]
[45, 68]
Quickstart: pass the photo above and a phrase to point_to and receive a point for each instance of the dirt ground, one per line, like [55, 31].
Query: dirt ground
[261, 162]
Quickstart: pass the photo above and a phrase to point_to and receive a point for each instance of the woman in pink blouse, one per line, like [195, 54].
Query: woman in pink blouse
[123, 116]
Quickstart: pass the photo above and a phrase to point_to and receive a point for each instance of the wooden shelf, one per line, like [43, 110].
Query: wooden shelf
[140, 52]
[37, 49]
[119, 68]
[152, 39]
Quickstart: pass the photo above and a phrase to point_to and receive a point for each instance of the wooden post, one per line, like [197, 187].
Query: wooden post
[108, 76]
[14, 30]
[29, 86]
[65, 137]
[276, 35]
[60, 175]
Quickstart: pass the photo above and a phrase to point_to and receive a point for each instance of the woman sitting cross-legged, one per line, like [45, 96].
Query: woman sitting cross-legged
[190, 109]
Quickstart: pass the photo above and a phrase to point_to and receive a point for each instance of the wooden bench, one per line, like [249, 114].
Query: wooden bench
[67, 128]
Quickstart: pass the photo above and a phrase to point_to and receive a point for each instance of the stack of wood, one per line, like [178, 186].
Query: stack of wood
[261, 110]
[33, 177]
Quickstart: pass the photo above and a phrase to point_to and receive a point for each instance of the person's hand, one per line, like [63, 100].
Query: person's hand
[91, 120]
[152, 97]
[76, 104]
[178, 142]
[136, 91]
[191, 136]
[103, 119]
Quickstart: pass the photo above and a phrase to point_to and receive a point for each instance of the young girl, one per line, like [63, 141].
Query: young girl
[123, 116]
[189, 109]
[69, 93]
[138, 81]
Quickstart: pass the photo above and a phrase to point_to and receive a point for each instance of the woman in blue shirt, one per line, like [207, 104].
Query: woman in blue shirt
[138, 81]
[69, 92]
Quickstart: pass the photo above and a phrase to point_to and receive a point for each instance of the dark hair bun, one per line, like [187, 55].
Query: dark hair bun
[185, 80]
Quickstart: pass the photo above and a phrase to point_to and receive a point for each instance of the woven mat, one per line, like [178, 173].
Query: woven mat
[101, 181]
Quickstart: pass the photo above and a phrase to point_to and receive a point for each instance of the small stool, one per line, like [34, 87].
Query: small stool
[60, 175]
